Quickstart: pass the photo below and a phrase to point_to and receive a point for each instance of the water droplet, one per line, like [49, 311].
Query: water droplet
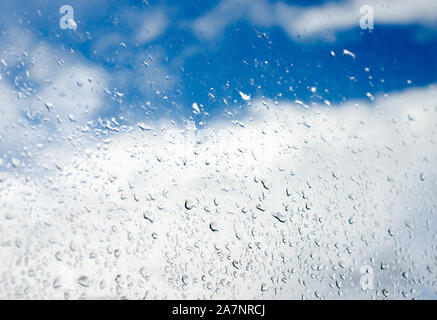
[348, 53]
[84, 281]
[188, 205]
[144, 273]
[213, 226]
[280, 217]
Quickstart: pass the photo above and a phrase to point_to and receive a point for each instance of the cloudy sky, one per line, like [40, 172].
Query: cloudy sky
[218, 149]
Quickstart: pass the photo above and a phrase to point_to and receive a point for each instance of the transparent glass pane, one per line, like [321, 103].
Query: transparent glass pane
[224, 149]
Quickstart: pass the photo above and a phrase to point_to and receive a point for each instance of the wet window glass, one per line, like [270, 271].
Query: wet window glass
[222, 149]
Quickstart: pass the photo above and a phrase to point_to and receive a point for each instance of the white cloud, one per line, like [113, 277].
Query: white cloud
[228, 12]
[9, 106]
[68, 91]
[312, 20]
[333, 17]
[355, 183]
[151, 25]
[74, 89]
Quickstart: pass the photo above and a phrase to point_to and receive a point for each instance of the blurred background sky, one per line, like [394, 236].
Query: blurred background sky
[162, 56]
[337, 123]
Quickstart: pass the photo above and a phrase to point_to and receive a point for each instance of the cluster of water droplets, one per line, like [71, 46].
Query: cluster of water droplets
[285, 203]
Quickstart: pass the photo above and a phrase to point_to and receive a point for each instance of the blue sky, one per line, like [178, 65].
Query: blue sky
[248, 52]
